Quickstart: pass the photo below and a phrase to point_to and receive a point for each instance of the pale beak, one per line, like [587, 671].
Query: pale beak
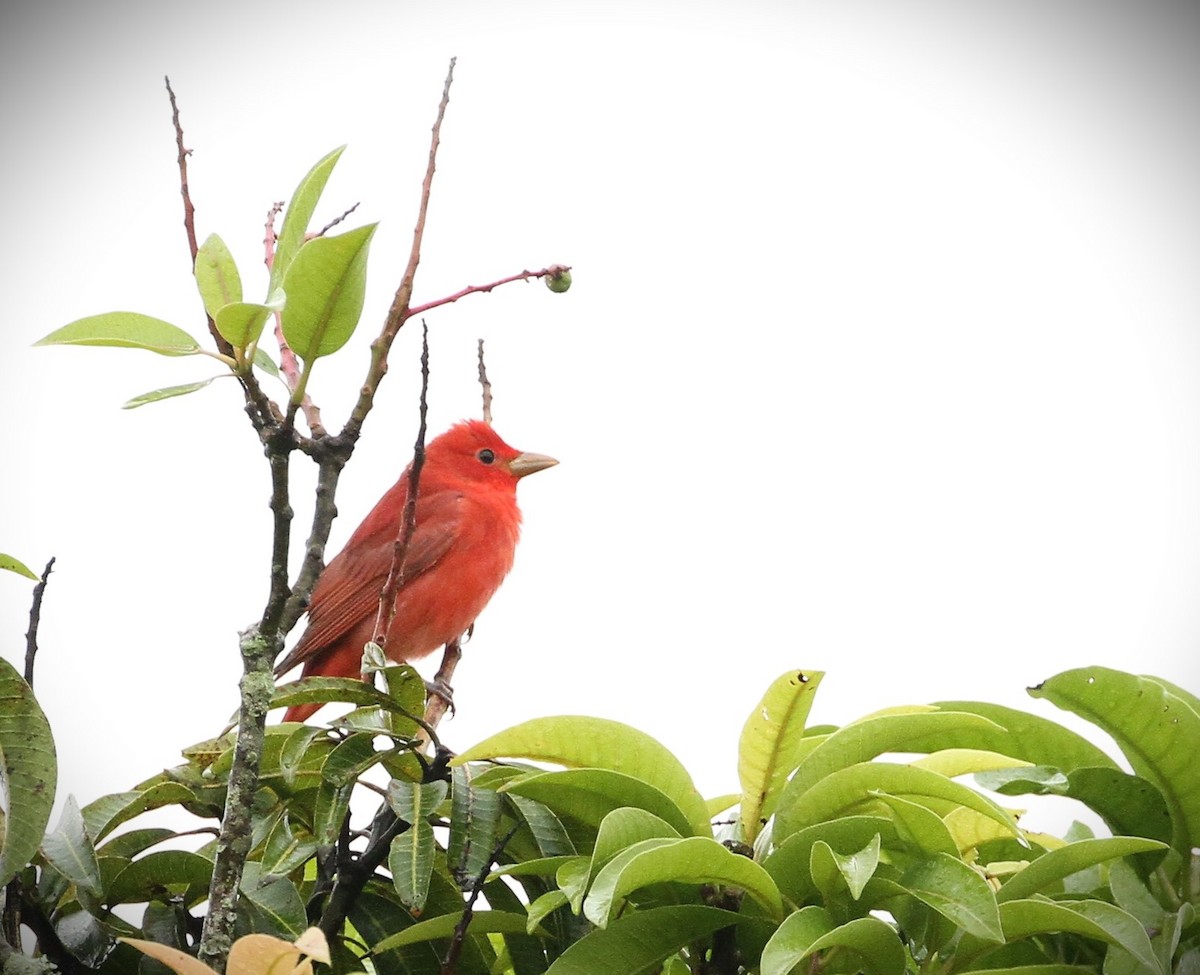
[524, 464]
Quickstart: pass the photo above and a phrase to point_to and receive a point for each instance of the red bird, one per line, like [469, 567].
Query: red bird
[467, 527]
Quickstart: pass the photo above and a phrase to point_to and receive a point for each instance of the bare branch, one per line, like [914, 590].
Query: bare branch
[35, 619]
[408, 526]
[474, 289]
[450, 962]
[487, 386]
[189, 210]
[399, 311]
[335, 221]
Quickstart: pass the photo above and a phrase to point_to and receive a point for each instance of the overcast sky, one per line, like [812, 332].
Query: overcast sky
[881, 357]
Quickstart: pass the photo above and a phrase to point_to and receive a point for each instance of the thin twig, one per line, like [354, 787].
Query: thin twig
[189, 210]
[450, 962]
[335, 221]
[35, 619]
[474, 289]
[487, 386]
[408, 524]
[399, 311]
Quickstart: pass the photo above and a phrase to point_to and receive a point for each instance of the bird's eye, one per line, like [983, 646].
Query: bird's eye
[486, 456]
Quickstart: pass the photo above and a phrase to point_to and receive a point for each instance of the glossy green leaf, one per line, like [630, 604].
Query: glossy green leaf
[217, 276]
[326, 690]
[638, 943]
[693, 860]
[326, 286]
[264, 362]
[875, 945]
[770, 746]
[158, 876]
[590, 794]
[1021, 735]
[474, 815]
[299, 212]
[789, 863]
[582, 742]
[28, 772]
[1155, 729]
[167, 392]
[839, 792]
[136, 841]
[871, 737]
[69, 850]
[410, 858]
[953, 762]
[242, 322]
[543, 907]
[105, 814]
[287, 846]
[273, 904]
[350, 758]
[622, 828]
[125, 329]
[1057, 864]
[8, 563]
[482, 922]
[1091, 919]
[547, 830]
[854, 869]
[957, 892]
[923, 830]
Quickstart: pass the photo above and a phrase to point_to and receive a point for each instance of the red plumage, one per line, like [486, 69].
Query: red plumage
[467, 526]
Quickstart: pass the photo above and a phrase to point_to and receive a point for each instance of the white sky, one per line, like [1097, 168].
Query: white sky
[881, 356]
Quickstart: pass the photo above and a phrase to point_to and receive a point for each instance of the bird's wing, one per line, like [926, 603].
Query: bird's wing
[348, 590]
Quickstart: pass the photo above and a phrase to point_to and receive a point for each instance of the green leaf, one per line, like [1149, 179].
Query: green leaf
[299, 212]
[105, 814]
[129, 845]
[953, 762]
[410, 857]
[482, 922]
[287, 847]
[167, 392]
[265, 362]
[69, 850]
[590, 794]
[474, 815]
[350, 758]
[28, 772]
[324, 690]
[918, 827]
[584, 742]
[159, 876]
[957, 892]
[844, 789]
[1039, 779]
[1021, 735]
[1090, 919]
[693, 860]
[811, 929]
[326, 286]
[855, 869]
[1155, 729]
[874, 736]
[543, 907]
[1069, 859]
[639, 943]
[622, 828]
[273, 904]
[14, 565]
[771, 746]
[217, 276]
[125, 329]
[241, 322]
[789, 864]
[547, 830]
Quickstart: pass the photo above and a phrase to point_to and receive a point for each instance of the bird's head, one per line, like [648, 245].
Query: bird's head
[473, 451]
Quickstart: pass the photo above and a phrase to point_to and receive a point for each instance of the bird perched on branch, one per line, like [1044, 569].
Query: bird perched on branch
[467, 525]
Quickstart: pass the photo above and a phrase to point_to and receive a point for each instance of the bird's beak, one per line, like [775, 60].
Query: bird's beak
[524, 464]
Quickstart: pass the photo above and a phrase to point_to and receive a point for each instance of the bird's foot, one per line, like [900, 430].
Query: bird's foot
[443, 690]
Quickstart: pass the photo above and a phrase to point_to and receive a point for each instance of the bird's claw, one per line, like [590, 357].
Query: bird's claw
[443, 690]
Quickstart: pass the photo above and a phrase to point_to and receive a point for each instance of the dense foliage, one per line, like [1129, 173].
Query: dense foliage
[837, 855]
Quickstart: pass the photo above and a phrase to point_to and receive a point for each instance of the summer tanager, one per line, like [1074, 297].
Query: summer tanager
[467, 524]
